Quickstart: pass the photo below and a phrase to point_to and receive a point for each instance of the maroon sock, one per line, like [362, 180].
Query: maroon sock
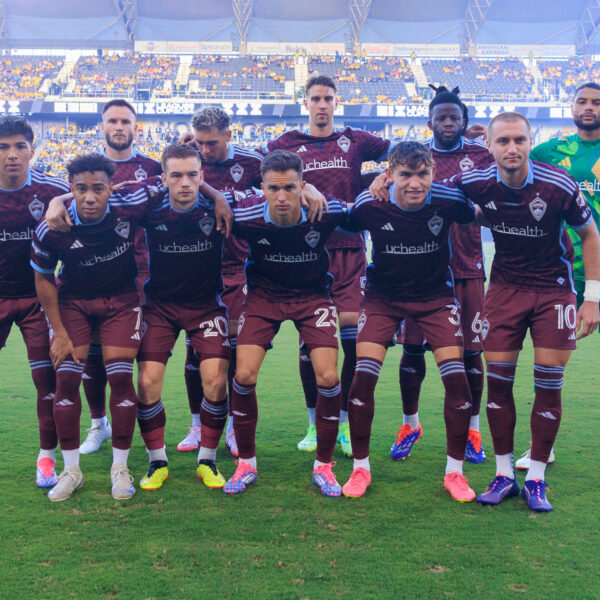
[474, 370]
[67, 404]
[361, 404]
[151, 420]
[348, 340]
[308, 379]
[457, 406]
[327, 421]
[123, 401]
[94, 382]
[500, 409]
[245, 417]
[44, 379]
[193, 381]
[547, 410]
[412, 373]
[213, 416]
[231, 368]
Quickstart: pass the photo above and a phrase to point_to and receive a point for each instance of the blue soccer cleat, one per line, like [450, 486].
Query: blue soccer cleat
[244, 475]
[501, 487]
[534, 491]
[474, 451]
[405, 440]
[325, 480]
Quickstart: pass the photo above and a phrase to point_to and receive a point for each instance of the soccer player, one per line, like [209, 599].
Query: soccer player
[579, 156]
[24, 196]
[288, 279]
[226, 166]
[531, 288]
[332, 163]
[183, 292]
[410, 277]
[452, 153]
[96, 291]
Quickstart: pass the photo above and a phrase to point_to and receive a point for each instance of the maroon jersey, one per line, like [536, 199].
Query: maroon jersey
[527, 224]
[185, 252]
[135, 168]
[287, 262]
[97, 258]
[20, 212]
[466, 261]
[411, 249]
[239, 171]
[333, 165]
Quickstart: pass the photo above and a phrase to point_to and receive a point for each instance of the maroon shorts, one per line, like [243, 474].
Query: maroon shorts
[470, 294]
[438, 319]
[347, 265]
[315, 319]
[27, 314]
[118, 320]
[205, 323]
[235, 293]
[508, 313]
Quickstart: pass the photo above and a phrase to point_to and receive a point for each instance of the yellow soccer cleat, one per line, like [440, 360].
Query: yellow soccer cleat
[209, 474]
[157, 474]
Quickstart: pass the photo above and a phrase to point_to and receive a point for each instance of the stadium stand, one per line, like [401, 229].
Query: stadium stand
[568, 73]
[22, 76]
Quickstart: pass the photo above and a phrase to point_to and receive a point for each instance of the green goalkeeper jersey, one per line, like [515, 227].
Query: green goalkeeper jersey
[581, 160]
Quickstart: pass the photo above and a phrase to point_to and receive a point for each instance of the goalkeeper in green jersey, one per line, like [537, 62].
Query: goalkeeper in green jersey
[579, 155]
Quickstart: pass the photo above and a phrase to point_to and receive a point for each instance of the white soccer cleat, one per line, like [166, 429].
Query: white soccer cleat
[523, 463]
[231, 443]
[122, 482]
[69, 480]
[191, 441]
[97, 435]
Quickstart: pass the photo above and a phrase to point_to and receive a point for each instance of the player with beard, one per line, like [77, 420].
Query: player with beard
[452, 153]
[579, 156]
[332, 163]
[118, 127]
[226, 166]
[24, 196]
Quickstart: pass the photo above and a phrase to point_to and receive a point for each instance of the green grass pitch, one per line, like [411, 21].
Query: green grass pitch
[281, 539]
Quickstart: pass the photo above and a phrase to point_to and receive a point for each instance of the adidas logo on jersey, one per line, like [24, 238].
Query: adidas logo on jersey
[76, 244]
[476, 340]
[387, 227]
[301, 149]
[126, 404]
[136, 336]
[161, 227]
[65, 402]
[264, 242]
[491, 205]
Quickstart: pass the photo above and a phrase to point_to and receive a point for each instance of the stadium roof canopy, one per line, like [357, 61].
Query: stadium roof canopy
[118, 23]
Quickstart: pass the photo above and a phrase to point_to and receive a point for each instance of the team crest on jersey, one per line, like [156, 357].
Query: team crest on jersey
[312, 238]
[123, 228]
[362, 321]
[206, 225]
[466, 163]
[538, 208]
[435, 224]
[36, 208]
[344, 143]
[140, 174]
[236, 172]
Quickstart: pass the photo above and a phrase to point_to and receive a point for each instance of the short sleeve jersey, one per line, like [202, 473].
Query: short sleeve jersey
[21, 211]
[97, 258]
[333, 165]
[527, 224]
[185, 252]
[411, 248]
[581, 160]
[136, 168]
[287, 262]
[466, 261]
[239, 171]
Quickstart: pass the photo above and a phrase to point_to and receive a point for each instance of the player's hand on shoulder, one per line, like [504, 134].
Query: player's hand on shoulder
[118, 186]
[314, 201]
[380, 188]
[223, 214]
[57, 215]
[476, 131]
[588, 317]
[61, 348]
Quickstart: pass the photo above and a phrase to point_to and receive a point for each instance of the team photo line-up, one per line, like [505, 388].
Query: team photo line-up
[226, 243]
